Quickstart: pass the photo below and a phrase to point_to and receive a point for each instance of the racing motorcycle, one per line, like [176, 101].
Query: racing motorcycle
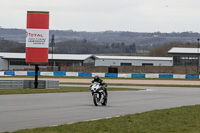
[98, 94]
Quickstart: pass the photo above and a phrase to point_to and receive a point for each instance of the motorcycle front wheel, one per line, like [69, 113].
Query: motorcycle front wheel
[96, 100]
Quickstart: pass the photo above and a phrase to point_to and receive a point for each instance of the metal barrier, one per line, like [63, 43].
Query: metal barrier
[117, 75]
[22, 84]
[11, 84]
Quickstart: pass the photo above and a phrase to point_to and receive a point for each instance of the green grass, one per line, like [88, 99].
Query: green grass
[158, 85]
[176, 120]
[125, 84]
[61, 90]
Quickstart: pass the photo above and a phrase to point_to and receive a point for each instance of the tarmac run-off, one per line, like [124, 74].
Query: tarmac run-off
[116, 81]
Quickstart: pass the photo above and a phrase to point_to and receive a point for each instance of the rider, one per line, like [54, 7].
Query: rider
[102, 83]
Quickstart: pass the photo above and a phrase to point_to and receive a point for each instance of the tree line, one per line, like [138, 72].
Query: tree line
[73, 47]
[87, 47]
[143, 40]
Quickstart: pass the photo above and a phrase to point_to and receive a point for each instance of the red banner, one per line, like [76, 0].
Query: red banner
[37, 37]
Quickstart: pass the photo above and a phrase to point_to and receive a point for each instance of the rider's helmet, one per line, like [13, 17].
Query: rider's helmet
[96, 78]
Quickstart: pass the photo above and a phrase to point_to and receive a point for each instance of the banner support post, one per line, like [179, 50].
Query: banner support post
[37, 39]
[36, 75]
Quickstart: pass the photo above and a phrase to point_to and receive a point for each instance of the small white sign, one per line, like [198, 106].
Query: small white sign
[20, 73]
[37, 38]
[46, 73]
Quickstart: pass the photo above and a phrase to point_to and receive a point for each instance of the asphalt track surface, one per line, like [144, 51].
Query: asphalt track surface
[118, 81]
[24, 111]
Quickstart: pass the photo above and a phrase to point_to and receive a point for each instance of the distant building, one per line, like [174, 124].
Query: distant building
[132, 61]
[10, 61]
[185, 56]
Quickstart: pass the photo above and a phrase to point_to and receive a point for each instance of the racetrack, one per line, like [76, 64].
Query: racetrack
[39, 110]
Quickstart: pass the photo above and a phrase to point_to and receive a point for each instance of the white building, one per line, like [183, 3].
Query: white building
[185, 56]
[10, 61]
[132, 61]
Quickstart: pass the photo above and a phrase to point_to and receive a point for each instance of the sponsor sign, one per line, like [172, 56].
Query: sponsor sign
[37, 37]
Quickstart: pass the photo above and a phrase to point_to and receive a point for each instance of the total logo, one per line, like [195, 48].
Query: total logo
[37, 38]
[33, 35]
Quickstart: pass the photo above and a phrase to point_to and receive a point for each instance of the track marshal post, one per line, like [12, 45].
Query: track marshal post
[37, 39]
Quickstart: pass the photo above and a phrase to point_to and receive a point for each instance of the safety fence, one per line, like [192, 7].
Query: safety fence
[22, 84]
[115, 75]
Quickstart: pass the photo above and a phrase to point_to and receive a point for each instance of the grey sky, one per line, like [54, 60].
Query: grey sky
[101, 15]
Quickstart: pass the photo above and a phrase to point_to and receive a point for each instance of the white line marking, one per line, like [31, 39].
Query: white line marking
[54, 125]
[95, 119]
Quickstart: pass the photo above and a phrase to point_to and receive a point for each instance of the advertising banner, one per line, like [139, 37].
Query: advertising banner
[37, 37]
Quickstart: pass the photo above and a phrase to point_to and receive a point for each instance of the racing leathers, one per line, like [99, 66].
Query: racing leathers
[103, 84]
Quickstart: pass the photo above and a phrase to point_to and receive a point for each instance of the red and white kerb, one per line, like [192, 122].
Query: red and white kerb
[37, 37]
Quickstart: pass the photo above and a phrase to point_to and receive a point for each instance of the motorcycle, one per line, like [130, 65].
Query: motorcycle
[98, 94]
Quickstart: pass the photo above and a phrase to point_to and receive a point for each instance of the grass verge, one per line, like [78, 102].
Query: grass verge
[178, 120]
[61, 90]
[121, 84]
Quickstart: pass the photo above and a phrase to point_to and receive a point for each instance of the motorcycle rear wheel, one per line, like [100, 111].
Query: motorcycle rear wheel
[104, 102]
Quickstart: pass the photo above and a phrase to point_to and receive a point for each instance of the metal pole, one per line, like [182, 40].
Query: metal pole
[52, 59]
[198, 57]
[52, 45]
[36, 75]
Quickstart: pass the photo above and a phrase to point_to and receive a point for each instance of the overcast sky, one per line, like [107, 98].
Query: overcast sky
[102, 15]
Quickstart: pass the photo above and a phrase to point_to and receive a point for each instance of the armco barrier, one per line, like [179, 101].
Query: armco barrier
[20, 73]
[114, 75]
[124, 75]
[21, 84]
[2, 73]
[11, 84]
[59, 74]
[46, 73]
[33, 73]
[42, 84]
[151, 75]
[99, 74]
[85, 74]
[191, 76]
[178, 76]
[138, 76]
[75, 74]
[166, 76]
[10, 73]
